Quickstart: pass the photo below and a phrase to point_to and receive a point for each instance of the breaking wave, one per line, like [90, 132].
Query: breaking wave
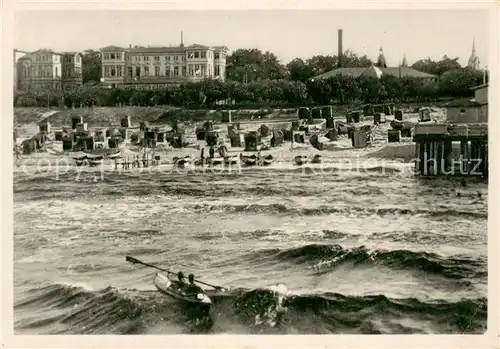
[325, 258]
[77, 310]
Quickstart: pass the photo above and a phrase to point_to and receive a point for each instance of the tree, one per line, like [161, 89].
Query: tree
[351, 60]
[91, 66]
[320, 64]
[245, 65]
[426, 65]
[458, 82]
[447, 64]
[299, 70]
[436, 68]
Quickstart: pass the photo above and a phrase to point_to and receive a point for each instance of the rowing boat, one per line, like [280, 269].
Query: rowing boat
[216, 161]
[249, 160]
[231, 160]
[301, 159]
[266, 160]
[317, 159]
[171, 288]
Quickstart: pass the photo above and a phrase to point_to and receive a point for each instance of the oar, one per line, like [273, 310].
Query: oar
[135, 260]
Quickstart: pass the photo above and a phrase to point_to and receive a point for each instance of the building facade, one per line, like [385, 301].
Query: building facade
[466, 111]
[152, 67]
[46, 69]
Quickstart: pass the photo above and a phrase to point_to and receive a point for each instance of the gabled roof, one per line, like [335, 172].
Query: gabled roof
[478, 87]
[112, 48]
[197, 46]
[463, 103]
[375, 72]
[43, 50]
[406, 71]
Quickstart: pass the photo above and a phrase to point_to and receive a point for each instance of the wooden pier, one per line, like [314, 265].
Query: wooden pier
[436, 155]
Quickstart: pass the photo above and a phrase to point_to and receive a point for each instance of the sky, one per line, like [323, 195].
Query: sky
[287, 33]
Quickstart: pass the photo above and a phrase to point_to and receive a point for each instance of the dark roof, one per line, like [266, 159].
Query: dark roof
[70, 53]
[463, 103]
[155, 49]
[406, 71]
[371, 71]
[478, 87]
[159, 49]
[112, 48]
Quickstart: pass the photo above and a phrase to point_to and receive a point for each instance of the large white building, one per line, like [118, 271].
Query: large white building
[48, 70]
[152, 67]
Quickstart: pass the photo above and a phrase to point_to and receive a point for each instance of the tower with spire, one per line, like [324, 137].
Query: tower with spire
[404, 63]
[381, 63]
[473, 60]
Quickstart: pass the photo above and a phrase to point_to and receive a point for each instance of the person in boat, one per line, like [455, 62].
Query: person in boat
[181, 280]
[192, 288]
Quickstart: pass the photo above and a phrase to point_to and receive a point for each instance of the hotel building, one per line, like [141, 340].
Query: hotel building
[45, 69]
[153, 67]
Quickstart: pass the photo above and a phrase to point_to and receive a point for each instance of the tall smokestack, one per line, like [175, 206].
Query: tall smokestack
[340, 49]
[182, 39]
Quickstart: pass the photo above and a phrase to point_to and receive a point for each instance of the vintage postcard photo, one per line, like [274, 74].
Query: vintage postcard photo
[251, 172]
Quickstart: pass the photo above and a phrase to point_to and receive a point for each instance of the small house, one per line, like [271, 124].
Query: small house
[469, 110]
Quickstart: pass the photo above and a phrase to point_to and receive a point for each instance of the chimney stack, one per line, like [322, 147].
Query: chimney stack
[340, 50]
[182, 39]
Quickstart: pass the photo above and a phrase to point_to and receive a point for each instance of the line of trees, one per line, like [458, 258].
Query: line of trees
[255, 78]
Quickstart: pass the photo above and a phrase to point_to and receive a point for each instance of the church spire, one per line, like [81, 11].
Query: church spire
[381, 63]
[473, 60]
[404, 63]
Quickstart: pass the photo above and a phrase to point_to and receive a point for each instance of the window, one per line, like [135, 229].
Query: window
[176, 58]
[57, 72]
[196, 54]
[217, 56]
[137, 71]
[113, 72]
[157, 58]
[190, 70]
[136, 58]
[191, 55]
[146, 71]
[167, 71]
[38, 58]
[106, 71]
[119, 71]
[462, 111]
[106, 56]
[176, 71]
[130, 71]
[203, 54]
[217, 70]
[167, 58]
[44, 57]
[183, 58]
[197, 71]
[157, 71]
[183, 71]
[146, 58]
[112, 56]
